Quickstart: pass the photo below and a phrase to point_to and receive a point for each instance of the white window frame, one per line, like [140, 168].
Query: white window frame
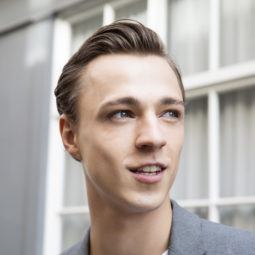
[209, 83]
[56, 155]
[214, 201]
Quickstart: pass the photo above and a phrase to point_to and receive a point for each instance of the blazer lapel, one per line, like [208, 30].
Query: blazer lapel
[185, 237]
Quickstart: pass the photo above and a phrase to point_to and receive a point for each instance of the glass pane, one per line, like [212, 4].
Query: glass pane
[73, 229]
[135, 10]
[241, 216]
[202, 212]
[82, 30]
[188, 34]
[192, 178]
[74, 189]
[237, 143]
[237, 31]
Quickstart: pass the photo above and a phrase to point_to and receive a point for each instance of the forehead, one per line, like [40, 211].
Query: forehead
[129, 75]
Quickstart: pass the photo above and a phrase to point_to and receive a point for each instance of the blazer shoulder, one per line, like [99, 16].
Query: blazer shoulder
[221, 239]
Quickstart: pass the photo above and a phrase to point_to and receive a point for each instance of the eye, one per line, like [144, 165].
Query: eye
[171, 114]
[121, 114]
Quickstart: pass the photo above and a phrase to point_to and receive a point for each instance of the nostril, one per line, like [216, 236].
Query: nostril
[146, 147]
[151, 145]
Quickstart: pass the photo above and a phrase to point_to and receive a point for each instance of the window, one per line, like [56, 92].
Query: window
[82, 30]
[223, 191]
[237, 143]
[200, 211]
[204, 35]
[192, 177]
[237, 31]
[134, 10]
[188, 34]
[73, 228]
[239, 216]
[74, 191]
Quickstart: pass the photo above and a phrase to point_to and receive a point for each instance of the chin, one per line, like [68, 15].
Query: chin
[145, 203]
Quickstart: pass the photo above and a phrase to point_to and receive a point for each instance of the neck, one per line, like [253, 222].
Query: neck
[114, 232]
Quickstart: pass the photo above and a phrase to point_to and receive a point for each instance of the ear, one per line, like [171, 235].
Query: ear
[69, 137]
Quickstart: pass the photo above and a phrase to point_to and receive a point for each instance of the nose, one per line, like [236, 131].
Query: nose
[149, 135]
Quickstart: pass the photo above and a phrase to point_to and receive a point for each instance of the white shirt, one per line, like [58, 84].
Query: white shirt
[165, 253]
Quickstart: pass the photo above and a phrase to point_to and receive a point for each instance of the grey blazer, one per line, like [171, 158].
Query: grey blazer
[191, 235]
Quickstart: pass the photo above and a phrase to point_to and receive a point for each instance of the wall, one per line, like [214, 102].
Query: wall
[25, 71]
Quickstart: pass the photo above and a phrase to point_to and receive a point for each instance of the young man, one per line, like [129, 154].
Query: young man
[121, 101]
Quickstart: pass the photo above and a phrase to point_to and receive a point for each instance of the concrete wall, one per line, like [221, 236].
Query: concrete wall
[25, 75]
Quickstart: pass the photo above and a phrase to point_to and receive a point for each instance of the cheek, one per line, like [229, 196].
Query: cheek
[175, 138]
[180, 140]
[107, 141]
[175, 144]
[101, 154]
[99, 166]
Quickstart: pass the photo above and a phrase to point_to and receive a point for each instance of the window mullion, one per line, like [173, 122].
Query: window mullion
[213, 157]
[108, 14]
[55, 164]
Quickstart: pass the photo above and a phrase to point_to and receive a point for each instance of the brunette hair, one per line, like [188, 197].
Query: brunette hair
[120, 37]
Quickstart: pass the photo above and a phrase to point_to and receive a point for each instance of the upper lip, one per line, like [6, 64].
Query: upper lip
[161, 165]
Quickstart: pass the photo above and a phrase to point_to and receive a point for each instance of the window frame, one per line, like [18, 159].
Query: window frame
[55, 164]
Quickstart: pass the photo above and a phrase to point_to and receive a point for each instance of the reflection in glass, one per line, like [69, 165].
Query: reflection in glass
[73, 229]
[136, 10]
[192, 177]
[82, 30]
[237, 143]
[237, 31]
[188, 34]
[241, 216]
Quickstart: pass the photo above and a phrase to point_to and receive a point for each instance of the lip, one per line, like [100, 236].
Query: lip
[148, 179]
[161, 165]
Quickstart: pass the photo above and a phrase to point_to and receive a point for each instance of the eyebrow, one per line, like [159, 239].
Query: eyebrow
[171, 100]
[131, 101]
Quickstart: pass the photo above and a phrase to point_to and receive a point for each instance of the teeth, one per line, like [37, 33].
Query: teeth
[150, 169]
[148, 173]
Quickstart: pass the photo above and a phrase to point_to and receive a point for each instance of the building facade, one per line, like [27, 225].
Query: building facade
[44, 207]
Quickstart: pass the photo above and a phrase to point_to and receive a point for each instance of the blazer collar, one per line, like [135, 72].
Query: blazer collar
[186, 231]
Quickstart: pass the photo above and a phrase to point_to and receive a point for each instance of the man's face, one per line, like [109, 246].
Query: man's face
[130, 131]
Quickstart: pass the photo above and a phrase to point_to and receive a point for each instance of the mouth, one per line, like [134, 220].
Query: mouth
[148, 173]
[148, 170]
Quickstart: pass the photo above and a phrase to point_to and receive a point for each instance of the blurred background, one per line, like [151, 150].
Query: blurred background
[43, 201]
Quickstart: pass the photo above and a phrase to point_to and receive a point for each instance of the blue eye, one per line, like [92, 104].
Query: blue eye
[171, 114]
[121, 114]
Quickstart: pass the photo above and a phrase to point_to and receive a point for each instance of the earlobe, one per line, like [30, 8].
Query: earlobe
[69, 137]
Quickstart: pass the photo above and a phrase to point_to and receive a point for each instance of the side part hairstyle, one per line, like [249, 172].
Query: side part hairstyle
[121, 37]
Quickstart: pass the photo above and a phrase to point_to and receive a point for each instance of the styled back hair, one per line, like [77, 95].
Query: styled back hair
[120, 37]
